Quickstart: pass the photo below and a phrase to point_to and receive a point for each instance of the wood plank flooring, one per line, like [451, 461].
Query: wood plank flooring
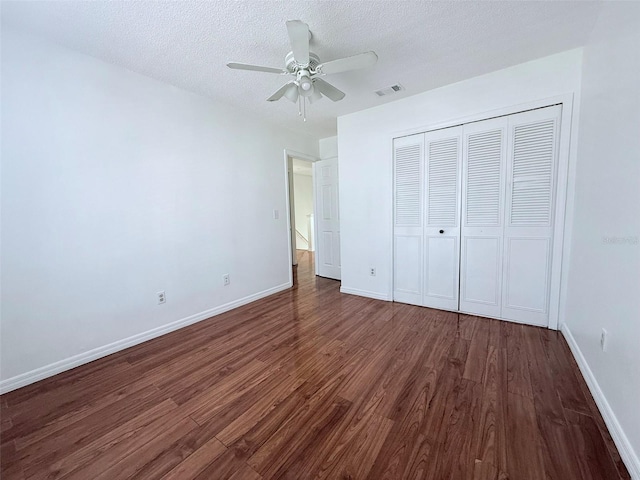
[311, 383]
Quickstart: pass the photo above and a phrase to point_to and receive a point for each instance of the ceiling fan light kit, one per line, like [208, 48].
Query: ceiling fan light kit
[307, 69]
[315, 95]
[291, 93]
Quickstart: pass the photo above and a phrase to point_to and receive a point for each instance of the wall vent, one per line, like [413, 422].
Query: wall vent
[389, 90]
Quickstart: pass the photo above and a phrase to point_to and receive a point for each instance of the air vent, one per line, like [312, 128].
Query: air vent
[389, 90]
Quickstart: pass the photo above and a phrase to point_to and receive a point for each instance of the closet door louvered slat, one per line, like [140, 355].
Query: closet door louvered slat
[483, 186]
[408, 177]
[443, 182]
[443, 150]
[531, 172]
[408, 164]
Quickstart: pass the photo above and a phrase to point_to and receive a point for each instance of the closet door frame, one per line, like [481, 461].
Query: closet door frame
[564, 189]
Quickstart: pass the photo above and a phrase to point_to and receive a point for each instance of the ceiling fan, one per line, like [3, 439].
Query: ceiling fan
[305, 66]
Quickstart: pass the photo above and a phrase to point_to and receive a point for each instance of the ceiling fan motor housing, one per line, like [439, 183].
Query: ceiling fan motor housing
[292, 66]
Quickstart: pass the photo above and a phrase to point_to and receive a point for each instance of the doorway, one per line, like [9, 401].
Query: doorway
[300, 183]
[302, 207]
[314, 224]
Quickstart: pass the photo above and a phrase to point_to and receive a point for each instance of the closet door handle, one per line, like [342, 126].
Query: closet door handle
[441, 231]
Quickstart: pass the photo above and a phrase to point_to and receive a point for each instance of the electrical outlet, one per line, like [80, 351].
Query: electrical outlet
[372, 271]
[276, 214]
[161, 297]
[603, 340]
[225, 279]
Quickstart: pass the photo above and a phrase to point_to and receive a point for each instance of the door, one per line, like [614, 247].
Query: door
[328, 221]
[408, 161]
[473, 216]
[483, 192]
[531, 180]
[443, 154]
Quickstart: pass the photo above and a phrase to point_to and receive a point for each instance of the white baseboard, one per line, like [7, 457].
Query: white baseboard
[91, 355]
[365, 293]
[629, 457]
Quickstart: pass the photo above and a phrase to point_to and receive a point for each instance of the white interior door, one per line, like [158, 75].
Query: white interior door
[531, 178]
[443, 155]
[328, 221]
[408, 162]
[483, 192]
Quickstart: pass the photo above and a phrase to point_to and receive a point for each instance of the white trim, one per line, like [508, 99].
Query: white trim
[291, 221]
[557, 288]
[86, 357]
[314, 173]
[300, 155]
[625, 449]
[392, 222]
[569, 210]
[487, 114]
[365, 293]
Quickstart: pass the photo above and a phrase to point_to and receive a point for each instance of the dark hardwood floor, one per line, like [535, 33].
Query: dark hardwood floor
[311, 383]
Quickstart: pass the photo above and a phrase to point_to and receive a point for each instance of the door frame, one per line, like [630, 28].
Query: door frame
[565, 188]
[289, 155]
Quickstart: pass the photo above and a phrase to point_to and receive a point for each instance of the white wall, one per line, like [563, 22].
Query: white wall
[604, 273]
[365, 142]
[116, 186]
[303, 199]
[328, 147]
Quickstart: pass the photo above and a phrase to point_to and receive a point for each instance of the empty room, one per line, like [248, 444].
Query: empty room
[304, 239]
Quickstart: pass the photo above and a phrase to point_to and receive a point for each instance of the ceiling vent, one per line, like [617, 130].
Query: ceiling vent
[389, 90]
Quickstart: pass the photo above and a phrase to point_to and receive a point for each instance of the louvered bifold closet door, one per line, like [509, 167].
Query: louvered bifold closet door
[408, 164]
[443, 155]
[483, 194]
[531, 183]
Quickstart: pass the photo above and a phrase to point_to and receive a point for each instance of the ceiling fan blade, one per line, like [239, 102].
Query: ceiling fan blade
[299, 38]
[257, 68]
[355, 62]
[328, 90]
[281, 91]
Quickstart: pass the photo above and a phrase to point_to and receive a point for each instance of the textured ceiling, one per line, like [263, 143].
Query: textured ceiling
[420, 44]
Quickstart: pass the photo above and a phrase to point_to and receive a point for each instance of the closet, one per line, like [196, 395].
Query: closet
[473, 216]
